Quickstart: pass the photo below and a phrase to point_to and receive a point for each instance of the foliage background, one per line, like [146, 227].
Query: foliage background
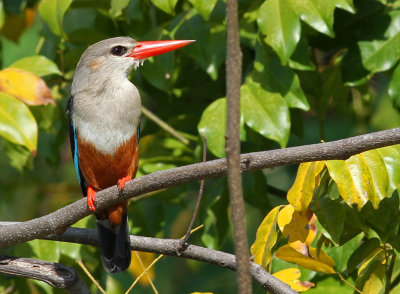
[313, 70]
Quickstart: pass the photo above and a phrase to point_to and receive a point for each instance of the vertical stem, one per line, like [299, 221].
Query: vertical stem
[232, 147]
[389, 273]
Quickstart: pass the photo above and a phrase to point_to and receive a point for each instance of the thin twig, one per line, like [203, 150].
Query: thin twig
[90, 276]
[146, 273]
[390, 272]
[348, 283]
[153, 263]
[187, 235]
[141, 275]
[164, 125]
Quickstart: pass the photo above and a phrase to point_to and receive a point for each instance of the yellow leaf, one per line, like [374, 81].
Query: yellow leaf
[323, 263]
[298, 228]
[375, 283]
[25, 86]
[361, 178]
[307, 179]
[291, 277]
[266, 237]
[137, 266]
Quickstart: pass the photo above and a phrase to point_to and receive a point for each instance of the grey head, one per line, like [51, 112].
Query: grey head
[104, 62]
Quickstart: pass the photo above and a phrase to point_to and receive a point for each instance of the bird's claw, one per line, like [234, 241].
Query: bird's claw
[122, 182]
[91, 197]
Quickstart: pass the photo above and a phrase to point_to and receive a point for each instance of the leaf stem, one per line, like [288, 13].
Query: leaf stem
[150, 115]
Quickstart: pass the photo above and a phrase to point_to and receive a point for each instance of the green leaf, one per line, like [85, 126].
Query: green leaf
[361, 178]
[391, 158]
[216, 219]
[265, 112]
[168, 6]
[280, 21]
[46, 250]
[277, 78]
[52, 12]
[328, 213]
[117, 6]
[38, 65]
[2, 14]
[361, 253]
[318, 14]
[281, 25]
[382, 54]
[204, 7]
[300, 58]
[385, 220]
[210, 47]
[341, 254]
[213, 125]
[394, 87]
[17, 123]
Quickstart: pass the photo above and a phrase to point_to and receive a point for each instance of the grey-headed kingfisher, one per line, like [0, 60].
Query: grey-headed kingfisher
[104, 114]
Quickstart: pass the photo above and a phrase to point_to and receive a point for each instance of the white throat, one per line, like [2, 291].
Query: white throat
[107, 113]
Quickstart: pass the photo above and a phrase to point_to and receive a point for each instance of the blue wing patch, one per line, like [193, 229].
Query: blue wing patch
[74, 147]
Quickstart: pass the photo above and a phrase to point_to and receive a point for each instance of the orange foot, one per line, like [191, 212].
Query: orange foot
[123, 181]
[91, 197]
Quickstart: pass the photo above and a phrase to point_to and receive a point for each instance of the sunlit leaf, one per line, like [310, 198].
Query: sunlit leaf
[279, 20]
[204, 7]
[291, 277]
[394, 87]
[276, 78]
[361, 178]
[307, 179]
[25, 86]
[322, 263]
[265, 112]
[38, 65]
[391, 158]
[298, 228]
[213, 125]
[167, 6]
[376, 281]
[281, 25]
[266, 237]
[17, 123]
[381, 54]
[117, 6]
[319, 14]
[370, 274]
[140, 261]
[52, 12]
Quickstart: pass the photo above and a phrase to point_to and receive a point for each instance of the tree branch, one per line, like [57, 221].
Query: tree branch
[56, 222]
[169, 247]
[54, 274]
[232, 147]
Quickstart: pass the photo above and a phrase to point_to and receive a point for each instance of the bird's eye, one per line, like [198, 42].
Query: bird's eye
[118, 50]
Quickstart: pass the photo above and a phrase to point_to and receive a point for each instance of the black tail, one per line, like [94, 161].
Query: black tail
[114, 245]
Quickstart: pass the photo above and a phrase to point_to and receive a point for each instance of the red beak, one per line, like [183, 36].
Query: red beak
[152, 48]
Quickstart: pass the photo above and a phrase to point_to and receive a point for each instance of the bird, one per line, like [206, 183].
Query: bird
[104, 116]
